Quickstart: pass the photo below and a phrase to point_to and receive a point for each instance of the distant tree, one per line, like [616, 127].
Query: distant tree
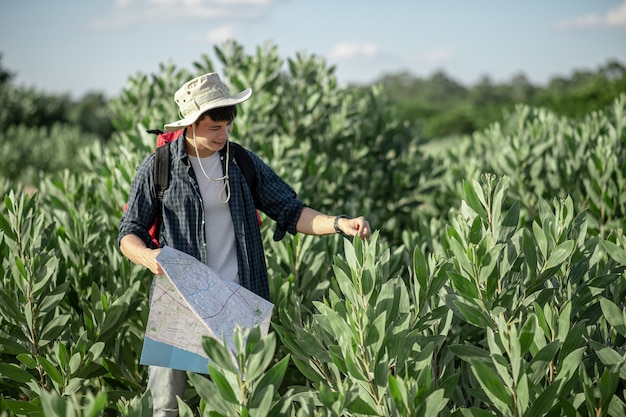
[613, 70]
[5, 76]
[28, 107]
[93, 115]
[521, 89]
[440, 106]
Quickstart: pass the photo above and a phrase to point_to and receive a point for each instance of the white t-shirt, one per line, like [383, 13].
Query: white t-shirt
[219, 230]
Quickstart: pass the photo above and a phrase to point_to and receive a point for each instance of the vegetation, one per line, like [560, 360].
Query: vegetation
[440, 106]
[42, 133]
[495, 283]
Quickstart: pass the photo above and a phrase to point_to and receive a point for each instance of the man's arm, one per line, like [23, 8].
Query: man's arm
[136, 250]
[312, 222]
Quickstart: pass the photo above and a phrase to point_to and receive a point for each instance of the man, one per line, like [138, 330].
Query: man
[209, 211]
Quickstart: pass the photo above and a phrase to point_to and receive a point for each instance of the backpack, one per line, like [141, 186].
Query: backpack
[162, 171]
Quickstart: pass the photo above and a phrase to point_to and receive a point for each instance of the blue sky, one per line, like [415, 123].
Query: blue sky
[78, 46]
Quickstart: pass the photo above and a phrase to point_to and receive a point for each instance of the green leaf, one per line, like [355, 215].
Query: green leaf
[12, 347]
[473, 314]
[617, 407]
[20, 408]
[530, 252]
[5, 226]
[226, 391]
[541, 239]
[569, 365]
[564, 321]
[363, 404]
[28, 360]
[420, 267]
[467, 352]
[527, 333]
[544, 402]
[510, 222]
[50, 369]
[218, 353]
[258, 360]
[75, 362]
[473, 412]
[260, 401]
[54, 328]
[609, 357]
[62, 354]
[330, 320]
[461, 257]
[464, 286]
[608, 387]
[209, 392]
[346, 285]
[493, 386]
[434, 403]
[274, 377]
[96, 350]
[15, 373]
[53, 299]
[183, 409]
[614, 315]
[540, 362]
[398, 392]
[95, 405]
[472, 191]
[560, 254]
[10, 310]
[352, 366]
[618, 254]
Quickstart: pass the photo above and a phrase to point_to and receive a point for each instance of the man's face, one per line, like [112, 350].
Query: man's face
[211, 136]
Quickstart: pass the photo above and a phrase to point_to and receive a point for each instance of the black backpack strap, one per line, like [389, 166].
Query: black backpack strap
[246, 165]
[161, 178]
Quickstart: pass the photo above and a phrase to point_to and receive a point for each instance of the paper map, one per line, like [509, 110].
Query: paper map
[190, 301]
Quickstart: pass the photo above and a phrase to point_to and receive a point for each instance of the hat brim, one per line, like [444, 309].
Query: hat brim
[222, 102]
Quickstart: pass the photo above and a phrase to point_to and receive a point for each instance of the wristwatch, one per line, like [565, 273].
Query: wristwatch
[336, 224]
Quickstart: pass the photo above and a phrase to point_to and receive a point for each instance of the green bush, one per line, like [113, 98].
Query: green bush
[494, 284]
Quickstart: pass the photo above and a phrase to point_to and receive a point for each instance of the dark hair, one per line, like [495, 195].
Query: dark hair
[220, 114]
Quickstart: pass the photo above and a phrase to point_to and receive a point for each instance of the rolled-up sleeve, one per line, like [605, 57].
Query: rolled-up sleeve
[276, 199]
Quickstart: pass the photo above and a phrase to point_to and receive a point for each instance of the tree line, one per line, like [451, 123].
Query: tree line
[439, 106]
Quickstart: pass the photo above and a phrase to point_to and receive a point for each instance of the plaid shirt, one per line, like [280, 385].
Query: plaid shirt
[182, 226]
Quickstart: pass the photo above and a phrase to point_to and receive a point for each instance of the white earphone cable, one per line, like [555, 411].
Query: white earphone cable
[226, 187]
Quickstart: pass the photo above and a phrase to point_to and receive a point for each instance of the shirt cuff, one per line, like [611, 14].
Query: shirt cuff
[288, 221]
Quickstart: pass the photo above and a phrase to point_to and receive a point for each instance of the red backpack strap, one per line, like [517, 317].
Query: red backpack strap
[165, 137]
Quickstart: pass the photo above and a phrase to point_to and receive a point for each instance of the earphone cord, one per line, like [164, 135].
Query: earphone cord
[226, 187]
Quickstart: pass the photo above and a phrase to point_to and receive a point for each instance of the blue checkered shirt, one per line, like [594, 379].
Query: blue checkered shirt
[182, 226]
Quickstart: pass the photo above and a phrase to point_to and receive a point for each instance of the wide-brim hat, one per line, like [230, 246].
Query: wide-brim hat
[203, 93]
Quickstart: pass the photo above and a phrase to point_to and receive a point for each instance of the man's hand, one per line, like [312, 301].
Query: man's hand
[357, 226]
[135, 249]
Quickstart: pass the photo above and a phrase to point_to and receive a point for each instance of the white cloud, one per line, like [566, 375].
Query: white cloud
[133, 12]
[438, 56]
[351, 50]
[222, 33]
[612, 18]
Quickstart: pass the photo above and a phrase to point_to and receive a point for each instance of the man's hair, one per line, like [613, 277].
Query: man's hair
[220, 114]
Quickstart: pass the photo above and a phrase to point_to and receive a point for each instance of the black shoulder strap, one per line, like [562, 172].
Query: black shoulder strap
[161, 177]
[162, 170]
[245, 163]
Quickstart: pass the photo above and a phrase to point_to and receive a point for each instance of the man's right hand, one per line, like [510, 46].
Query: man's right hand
[136, 250]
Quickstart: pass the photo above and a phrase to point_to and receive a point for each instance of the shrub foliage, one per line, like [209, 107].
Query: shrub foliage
[494, 284]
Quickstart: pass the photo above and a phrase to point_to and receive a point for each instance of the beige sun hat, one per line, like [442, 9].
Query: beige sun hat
[203, 93]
